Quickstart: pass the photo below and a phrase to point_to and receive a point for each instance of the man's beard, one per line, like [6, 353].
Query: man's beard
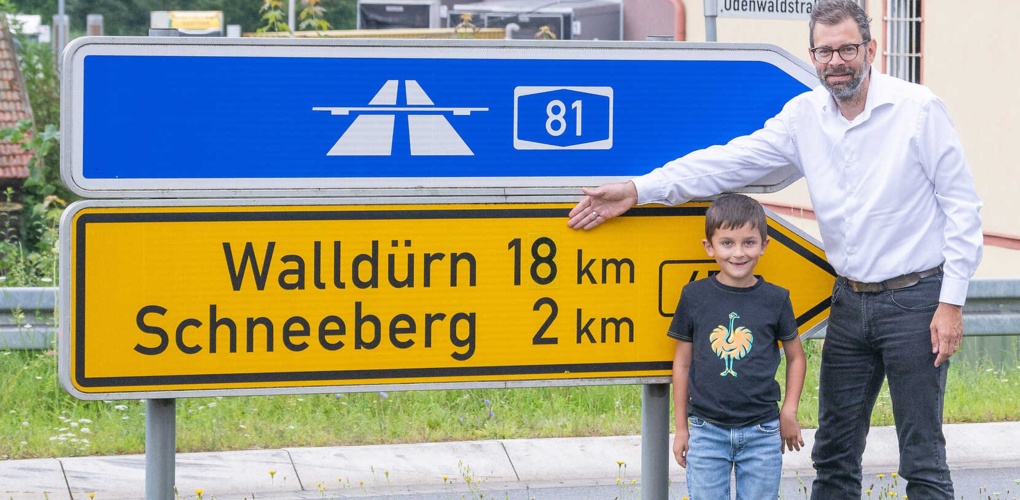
[847, 90]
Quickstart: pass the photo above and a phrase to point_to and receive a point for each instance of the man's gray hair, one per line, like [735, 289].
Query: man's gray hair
[833, 12]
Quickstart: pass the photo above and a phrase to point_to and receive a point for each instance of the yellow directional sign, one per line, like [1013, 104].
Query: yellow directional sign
[168, 301]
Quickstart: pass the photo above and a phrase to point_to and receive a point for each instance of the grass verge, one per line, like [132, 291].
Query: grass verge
[38, 419]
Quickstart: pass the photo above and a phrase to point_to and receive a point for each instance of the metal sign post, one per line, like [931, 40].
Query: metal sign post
[655, 449]
[160, 448]
[711, 13]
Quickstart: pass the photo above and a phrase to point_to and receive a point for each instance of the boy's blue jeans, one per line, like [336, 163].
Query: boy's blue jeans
[753, 452]
[872, 336]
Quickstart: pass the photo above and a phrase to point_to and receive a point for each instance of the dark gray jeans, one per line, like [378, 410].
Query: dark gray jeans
[872, 336]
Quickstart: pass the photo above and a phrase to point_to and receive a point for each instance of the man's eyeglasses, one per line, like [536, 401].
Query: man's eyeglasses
[847, 52]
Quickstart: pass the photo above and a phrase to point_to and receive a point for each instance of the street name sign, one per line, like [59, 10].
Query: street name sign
[184, 117]
[764, 9]
[167, 299]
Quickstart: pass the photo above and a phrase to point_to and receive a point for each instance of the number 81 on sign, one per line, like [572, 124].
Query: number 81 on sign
[563, 118]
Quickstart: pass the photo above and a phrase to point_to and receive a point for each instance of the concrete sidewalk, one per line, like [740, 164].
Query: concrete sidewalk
[443, 470]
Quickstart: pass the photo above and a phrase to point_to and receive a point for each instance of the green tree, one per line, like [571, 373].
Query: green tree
[313, 16]
[273, 18]
[45, 8]
[41, 81]
[131, 17]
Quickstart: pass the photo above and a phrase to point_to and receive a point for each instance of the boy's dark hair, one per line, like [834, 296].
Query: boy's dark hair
[732, 211]
[833, 12]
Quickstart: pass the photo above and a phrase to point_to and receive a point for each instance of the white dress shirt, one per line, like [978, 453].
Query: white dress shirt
[891, 189]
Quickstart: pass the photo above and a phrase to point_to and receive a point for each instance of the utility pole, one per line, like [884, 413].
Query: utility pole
[60, 33]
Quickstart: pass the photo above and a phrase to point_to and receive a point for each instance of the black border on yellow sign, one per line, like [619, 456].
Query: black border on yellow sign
[577, 369]
[788, 242]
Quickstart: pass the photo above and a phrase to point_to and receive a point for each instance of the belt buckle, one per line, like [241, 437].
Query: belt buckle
[860, 287]
[905, 281]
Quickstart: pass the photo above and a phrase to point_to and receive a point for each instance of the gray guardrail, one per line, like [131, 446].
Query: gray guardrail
[28, 315]
[28, 318]
[993, 308]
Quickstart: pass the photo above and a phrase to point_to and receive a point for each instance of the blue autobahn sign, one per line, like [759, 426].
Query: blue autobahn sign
[267, 117]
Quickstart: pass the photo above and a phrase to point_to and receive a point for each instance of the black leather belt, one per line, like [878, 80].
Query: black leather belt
[905, 281]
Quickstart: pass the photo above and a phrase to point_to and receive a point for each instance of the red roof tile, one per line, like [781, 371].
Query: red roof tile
[14, 106]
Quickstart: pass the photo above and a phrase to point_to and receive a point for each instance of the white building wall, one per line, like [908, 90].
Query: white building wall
[967, 61]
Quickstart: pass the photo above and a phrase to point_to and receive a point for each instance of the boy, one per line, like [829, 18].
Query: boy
[726, 395]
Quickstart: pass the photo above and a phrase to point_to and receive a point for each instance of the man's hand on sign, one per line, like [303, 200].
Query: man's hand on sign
[602, 203]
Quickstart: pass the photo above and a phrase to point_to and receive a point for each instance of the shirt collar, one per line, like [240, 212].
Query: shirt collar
[878, 95]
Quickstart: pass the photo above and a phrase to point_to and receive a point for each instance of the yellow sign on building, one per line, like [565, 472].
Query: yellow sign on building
[194, 22]
[171, 301]
[196, 19]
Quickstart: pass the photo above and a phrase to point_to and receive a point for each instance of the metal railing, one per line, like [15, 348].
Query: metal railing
[993, 308]
[28, 315]
[28, 318]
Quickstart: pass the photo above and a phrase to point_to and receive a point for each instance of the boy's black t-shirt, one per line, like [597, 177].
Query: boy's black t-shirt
[736, 354]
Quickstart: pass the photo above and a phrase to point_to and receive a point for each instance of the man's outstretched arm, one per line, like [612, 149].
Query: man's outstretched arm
[700, 174]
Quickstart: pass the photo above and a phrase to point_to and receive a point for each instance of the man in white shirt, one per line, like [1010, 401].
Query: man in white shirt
[898, 214]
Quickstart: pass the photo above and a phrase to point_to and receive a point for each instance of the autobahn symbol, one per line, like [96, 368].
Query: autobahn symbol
[371, 133]
[551, 118]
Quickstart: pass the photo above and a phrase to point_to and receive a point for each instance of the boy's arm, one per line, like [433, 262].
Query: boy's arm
[796, 366]
[681, 375]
